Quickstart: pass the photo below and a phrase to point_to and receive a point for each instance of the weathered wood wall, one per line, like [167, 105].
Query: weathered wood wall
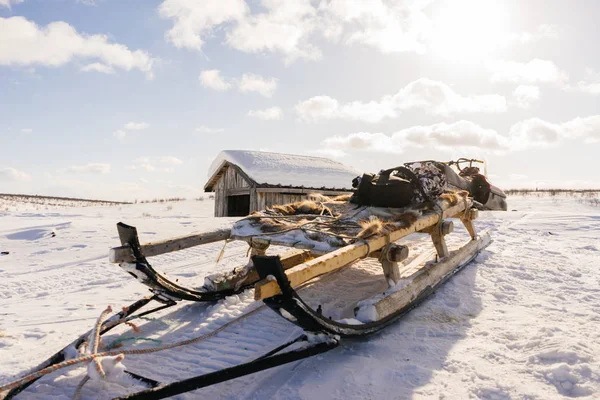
[269, 199]
[230, 182]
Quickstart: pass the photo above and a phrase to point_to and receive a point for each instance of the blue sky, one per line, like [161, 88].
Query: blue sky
[133, 99]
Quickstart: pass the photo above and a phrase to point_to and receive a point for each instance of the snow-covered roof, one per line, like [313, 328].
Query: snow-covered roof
[286, 170]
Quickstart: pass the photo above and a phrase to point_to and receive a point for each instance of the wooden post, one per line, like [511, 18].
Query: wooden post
[467, 219]
[391, 257]
[391, 271]
[440, 243]
[437, 233]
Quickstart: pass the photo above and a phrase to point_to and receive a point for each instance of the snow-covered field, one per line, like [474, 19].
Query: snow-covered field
[522, 322]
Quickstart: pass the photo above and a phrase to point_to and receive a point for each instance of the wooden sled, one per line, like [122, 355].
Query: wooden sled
[274, 278]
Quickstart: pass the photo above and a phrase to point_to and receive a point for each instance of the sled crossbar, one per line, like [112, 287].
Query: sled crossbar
[124, 253]
[345, 255]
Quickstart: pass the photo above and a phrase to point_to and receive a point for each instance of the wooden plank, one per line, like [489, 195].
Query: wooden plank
[124, 253]
[238, 191]
[429, 276]
[345, 255]
[248, 274]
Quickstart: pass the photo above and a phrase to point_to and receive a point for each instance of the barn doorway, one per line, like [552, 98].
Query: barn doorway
[238, 206]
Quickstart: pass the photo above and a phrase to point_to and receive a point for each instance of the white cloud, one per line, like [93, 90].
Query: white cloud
[318, 107]
[284, 28]
[458, 135]
[256, 83]
[23, 43]
[468, 136]
[90, 168]
[589, 87]
[534, 71]
[378, 142]
[194, 20]
[525, 95]
[293, 29]
[128, 127]
[11, 174]
[98, 67]
[544, 31]
[26, 130]
[120, 134]
[268, 114]
[170, 160]
[591, 83]
[389, 26]
[536, 132]
[206, 129]
[7, 3]
[431, 96]
[213, 79]
[290, 28]
[145, 166]
[136, 126]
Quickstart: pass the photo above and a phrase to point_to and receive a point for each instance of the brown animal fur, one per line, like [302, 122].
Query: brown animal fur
[370, 227]
[405, 220]
[377, 226]
[300, 207]
[318, 197]
[454, 197]
[343, 197]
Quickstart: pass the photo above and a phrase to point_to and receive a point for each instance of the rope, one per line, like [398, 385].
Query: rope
[222, 252]
[90, 357]
[96, 340]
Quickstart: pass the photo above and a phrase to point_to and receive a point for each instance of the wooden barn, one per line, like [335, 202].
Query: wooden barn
[246, 181]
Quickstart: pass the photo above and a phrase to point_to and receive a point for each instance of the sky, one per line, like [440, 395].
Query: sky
[125, 100]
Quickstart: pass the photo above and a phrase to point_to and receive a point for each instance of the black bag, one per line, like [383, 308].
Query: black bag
[387, 189]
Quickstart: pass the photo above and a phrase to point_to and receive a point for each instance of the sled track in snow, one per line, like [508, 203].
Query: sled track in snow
[96, 271]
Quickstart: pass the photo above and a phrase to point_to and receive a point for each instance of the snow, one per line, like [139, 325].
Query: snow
[519, 322]
[288, 169]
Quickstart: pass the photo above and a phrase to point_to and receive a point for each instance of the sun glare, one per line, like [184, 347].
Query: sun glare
[469, 30]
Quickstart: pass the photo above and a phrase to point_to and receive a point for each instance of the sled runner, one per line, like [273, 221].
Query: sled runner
[333, 243]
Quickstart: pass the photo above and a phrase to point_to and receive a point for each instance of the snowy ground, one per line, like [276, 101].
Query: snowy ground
[523, 322]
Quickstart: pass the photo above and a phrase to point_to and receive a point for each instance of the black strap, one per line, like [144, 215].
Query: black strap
[409, 175]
